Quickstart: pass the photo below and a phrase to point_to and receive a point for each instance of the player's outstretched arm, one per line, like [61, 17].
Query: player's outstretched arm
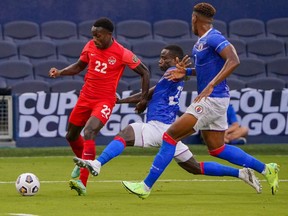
[71, 70]
[181, 70]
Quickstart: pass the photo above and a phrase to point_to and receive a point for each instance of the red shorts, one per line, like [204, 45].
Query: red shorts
[85, 108]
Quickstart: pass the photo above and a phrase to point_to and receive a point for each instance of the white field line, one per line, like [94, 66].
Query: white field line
[161, 180]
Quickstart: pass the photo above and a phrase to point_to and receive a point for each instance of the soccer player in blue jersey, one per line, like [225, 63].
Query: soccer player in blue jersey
[235, 134]
[215, 59]
[162, 110]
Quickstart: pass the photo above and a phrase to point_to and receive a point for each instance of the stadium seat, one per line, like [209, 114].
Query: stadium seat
[37, 50]
[136, 84]
[21, 30]
[266, 83]
[3, 84]
[8, 51]
[235, 84]
[30, 86]
[153, 82]
[14, 71]
[266, 48]
[129, 75]
[66, 86]
[247, 29]
[170, 30]
[249, 69]
[148, 50]
[278, 67]
[71, 50]
[190, 85]
[133, 30]
[59, 30]
[240, 46]
[125, 44]
[84, 29]
[278, 28]
[186, 45]
[1, 33]
[122, 86]
[155, 70]
[220, 26]
[41, 70]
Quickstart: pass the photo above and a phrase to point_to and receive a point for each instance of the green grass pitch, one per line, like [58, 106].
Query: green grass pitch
[176, 192]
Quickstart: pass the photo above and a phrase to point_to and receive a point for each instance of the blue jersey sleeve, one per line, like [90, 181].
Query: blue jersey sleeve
[231, 115]
[218, 42]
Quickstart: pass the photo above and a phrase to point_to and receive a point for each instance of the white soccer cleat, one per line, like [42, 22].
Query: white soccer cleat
[248, 176]
[93, 166]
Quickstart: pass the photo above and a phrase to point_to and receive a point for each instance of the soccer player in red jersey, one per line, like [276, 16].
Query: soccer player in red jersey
[106, 60]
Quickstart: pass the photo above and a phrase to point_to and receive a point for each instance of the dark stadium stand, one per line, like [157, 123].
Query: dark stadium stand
[8, 51]
[41, 70]
[171, 30]
[266, 83]
[30, 86]
[221, 26]
[235, 84]
[37, 50]
[247, 29]
[122, 86]
[15, 71]
[21, 30]
[59, 30]
[186, 45]
[134, 30]
[278, 28]
[240, 46]
[70, 50]
[278, 67]
[249, 69]
[148, 50]
[261, 46]
[190, 85]
[129, 75]
[155, 70]
[266, 48]
[135, 85]
[66, 85]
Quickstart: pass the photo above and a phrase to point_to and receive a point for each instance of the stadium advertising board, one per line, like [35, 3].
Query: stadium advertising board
[41, 116]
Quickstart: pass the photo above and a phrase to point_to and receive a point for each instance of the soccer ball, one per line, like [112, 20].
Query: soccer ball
[27, 184]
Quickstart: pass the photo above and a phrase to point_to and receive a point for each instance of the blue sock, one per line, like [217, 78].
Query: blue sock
[237, 156]
[113, 149]
[161, 161]
[216, 169]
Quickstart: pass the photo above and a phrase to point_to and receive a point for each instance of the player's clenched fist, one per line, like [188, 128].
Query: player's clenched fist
[54, 72]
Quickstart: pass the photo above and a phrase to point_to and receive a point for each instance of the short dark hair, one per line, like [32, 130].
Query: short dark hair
[175, 51]
[205, 9]
[105, 23]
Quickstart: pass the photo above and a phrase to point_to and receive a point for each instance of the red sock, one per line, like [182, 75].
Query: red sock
[89, 153]
[77, 146]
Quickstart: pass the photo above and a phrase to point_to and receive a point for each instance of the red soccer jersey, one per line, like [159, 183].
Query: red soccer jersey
[105, 68]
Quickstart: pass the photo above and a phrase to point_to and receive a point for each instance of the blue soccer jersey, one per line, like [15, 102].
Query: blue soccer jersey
[208, 62]
[164, 105]
[231, 115]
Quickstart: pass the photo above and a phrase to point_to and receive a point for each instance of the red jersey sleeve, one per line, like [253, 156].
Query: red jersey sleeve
[84, 54]
[130, 59]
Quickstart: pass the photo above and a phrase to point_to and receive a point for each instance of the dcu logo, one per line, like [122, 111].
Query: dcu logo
[111, 60]
[198, 109]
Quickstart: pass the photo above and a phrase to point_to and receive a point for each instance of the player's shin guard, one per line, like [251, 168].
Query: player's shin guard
[237, 156]
[89, 153]
[113, 149]
[162, 159]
